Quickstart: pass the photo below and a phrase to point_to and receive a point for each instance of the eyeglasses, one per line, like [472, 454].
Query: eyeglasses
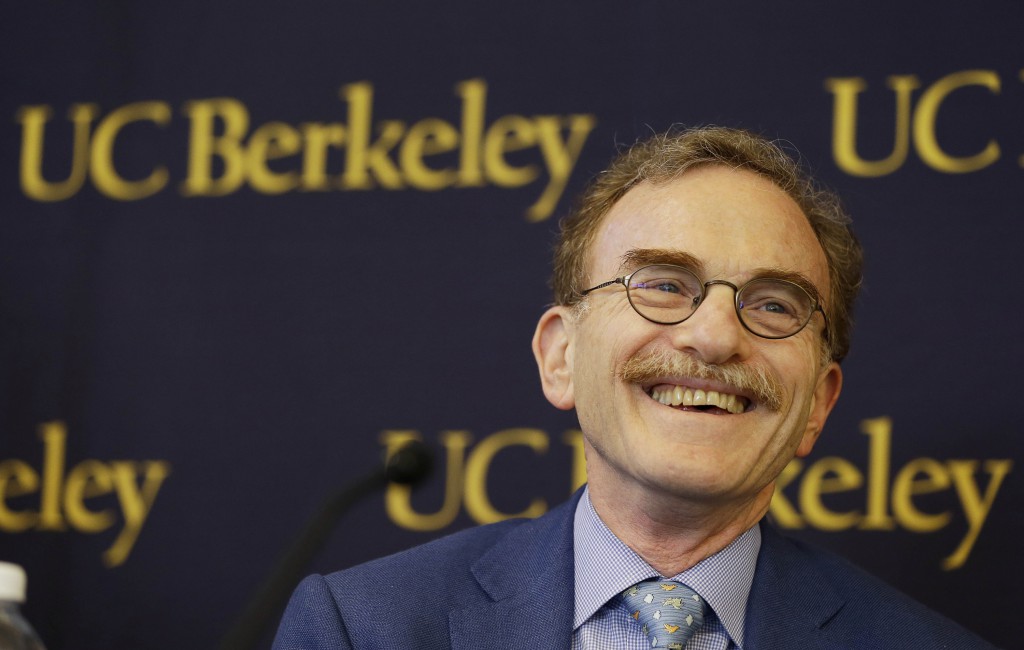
[667, 294]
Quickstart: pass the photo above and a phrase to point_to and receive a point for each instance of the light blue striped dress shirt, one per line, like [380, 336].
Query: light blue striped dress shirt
[606, 567]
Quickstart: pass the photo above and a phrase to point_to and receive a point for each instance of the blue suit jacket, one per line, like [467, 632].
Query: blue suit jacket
[510, 585]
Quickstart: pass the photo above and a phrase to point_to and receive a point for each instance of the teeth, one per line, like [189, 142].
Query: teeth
[678, 395]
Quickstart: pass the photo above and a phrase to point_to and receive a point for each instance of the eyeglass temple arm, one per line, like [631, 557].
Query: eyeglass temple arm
[621, 281]
[824, 332]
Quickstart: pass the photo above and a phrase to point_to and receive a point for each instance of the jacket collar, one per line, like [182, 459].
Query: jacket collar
[528, 575]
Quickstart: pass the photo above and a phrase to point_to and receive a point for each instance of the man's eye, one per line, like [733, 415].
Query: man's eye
[770, 307]
[775, 308]
[667, 286]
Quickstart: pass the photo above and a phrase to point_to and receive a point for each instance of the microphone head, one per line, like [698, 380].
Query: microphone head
[410, 464]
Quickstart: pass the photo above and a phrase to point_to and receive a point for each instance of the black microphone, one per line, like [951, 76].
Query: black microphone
[408, 465]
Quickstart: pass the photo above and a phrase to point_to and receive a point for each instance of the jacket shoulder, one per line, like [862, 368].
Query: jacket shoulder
[845, 603]
[435, 566]
[405, 599]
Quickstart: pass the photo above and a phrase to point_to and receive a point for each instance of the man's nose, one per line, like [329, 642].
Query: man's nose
[714, 332]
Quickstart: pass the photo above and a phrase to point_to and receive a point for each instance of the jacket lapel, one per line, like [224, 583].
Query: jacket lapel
[528, 575]
[791, 600]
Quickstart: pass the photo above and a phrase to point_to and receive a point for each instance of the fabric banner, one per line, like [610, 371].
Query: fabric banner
[248, 248]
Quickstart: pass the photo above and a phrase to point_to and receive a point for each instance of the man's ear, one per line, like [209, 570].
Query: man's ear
[553, 351]
[826, 392]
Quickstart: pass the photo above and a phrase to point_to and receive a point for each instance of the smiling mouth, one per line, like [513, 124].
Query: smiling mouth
[696, 399]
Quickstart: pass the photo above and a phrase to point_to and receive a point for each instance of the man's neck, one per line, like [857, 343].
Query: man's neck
[672, 534]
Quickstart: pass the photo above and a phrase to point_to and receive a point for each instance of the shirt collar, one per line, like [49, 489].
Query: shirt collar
[605, 566]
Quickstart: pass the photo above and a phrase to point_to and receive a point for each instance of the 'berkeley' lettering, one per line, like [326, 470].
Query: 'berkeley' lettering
[225, 154]
[63, 496]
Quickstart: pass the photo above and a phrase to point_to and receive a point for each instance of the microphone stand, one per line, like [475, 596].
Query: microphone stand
[408, 465]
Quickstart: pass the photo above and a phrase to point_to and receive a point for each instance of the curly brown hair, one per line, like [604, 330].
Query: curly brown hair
[664, 157]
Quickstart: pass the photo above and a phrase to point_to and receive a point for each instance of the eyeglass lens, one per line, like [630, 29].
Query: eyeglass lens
[768, 307]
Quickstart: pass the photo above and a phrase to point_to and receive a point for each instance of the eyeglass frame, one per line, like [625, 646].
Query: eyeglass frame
[624, 281]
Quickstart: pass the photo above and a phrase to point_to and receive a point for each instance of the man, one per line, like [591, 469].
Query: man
[704, 290]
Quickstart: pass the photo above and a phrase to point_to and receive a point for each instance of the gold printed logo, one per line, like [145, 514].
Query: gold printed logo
[226, 152]
[912, 123]
[75, 497]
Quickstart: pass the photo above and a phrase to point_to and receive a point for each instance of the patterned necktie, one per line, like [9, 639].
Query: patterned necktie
[670, 612]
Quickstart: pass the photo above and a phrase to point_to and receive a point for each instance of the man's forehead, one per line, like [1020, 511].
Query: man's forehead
[716, 221]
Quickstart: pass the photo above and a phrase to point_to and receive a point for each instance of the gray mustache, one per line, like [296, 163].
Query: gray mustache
[754, 380]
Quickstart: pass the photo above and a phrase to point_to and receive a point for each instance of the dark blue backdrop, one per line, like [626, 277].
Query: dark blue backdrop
[244, 246]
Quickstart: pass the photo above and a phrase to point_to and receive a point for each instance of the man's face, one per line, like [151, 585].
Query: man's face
[738, 226]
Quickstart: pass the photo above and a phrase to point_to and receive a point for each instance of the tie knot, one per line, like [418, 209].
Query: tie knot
[668, 612]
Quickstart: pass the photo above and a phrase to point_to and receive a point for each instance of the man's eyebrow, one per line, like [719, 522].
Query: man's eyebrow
[637, 257]
[796, 278]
